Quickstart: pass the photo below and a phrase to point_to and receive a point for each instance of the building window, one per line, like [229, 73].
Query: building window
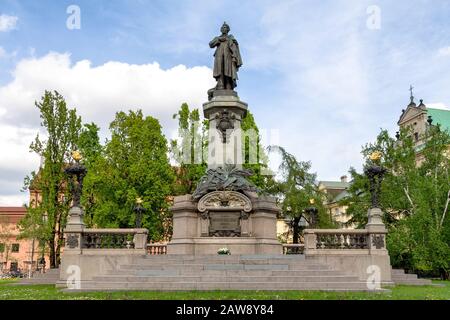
[13, 266]
[2, 247]
[15, 247]
[416, 136]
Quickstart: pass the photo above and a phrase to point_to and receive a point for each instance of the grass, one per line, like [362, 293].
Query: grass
[10, 291]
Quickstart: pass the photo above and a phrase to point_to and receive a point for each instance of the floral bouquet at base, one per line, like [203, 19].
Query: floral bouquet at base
[224, 251]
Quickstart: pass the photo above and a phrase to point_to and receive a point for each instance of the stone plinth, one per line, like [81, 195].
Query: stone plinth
[192, 233]
[225, 114]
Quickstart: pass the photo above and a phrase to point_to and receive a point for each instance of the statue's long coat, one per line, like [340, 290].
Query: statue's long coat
[227, 57]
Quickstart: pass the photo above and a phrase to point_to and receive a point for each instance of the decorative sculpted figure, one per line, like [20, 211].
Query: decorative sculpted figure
[227, 59]
[227, 178]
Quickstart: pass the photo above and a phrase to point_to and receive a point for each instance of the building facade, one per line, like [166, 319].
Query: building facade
[17, 254]
[334, 192]
[419, 118]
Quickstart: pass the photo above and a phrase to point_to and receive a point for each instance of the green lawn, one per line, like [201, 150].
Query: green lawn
[8, 291]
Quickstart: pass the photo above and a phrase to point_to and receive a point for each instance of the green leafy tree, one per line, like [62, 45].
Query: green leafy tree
[414, 198]
[136, 165]
[261, 177]
[46, 219]
[95, 162]
[189, 151]
[295, 189]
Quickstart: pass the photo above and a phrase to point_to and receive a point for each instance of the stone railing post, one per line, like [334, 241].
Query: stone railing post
[74, 230]
[140, 239]
[310, 240]
[376, 229]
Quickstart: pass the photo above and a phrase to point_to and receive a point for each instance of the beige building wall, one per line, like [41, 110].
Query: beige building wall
[14, 252]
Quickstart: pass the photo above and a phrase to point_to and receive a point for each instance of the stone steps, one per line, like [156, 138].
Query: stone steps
[50, 277]
[220, 279]
[261, 273]
[400, 277]
[238, 272]
[227, 266]
[182, 286]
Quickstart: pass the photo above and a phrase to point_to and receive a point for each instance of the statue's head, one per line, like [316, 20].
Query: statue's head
[225, 28]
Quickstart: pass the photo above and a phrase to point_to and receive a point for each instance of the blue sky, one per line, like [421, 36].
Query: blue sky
[312, 70]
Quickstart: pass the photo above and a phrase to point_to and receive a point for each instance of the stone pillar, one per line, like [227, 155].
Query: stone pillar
[185, 225]
[185, 217]
[140, 239]
[310, 240]
[74, 230]
[377, 230]
[225, 114]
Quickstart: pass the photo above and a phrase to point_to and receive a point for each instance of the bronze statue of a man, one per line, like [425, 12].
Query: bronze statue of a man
[227, 59]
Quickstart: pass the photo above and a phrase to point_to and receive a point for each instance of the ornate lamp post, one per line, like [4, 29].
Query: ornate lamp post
[78, 171]
[375, 172]
[375, 226]
[312, 212]
[75, 222]
[139, 210]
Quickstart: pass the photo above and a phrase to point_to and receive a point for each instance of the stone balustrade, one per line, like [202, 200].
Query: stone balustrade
[359, 251]
[293, 248]
[343, 239]
[106, 239]
[156, 248]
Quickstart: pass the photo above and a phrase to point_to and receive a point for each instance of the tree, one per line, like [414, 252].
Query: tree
[46, 219]
[135, 165]
[260, 168]
[295, 189]
[189, 152]
[94, 161]
[414, 198]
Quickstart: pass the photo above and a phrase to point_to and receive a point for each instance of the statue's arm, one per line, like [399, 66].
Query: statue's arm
[214, 42]
[233, 39]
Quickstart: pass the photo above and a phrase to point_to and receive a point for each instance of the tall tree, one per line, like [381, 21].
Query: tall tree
[136, 165]
[46, 219]
[189, 151]
[414, 197]
[259, 165]
[94, 160]
[295, 189]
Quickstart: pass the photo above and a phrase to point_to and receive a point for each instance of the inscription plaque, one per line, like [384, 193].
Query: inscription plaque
[224, 224]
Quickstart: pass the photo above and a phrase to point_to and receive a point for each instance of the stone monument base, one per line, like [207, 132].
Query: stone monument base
[195, 227]
[238, 245]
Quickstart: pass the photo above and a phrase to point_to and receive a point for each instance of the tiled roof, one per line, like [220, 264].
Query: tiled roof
[440, 116]
[334, 184]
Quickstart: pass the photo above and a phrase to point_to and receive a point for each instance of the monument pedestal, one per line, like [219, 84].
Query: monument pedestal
[225, 114]
[199, 227]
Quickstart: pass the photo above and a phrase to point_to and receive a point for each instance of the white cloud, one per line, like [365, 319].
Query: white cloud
[97, 92]
[7, 23]
[2, 53]
[15, 163]
[444, 52]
